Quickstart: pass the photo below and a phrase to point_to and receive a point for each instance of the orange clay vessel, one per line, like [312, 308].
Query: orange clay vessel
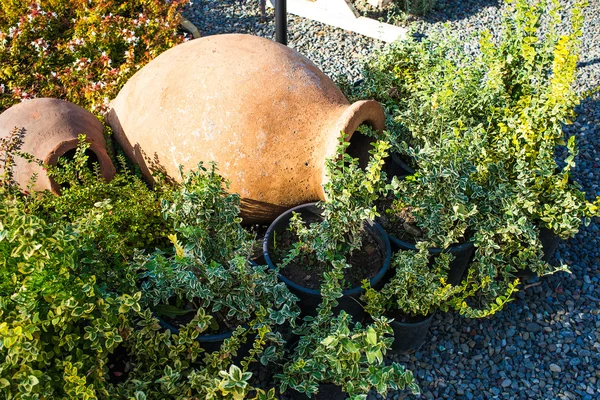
[50, 128]
[263, 112]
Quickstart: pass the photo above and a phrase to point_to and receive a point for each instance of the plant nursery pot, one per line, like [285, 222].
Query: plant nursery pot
[262, 111]
[462, 257]
[550, 241]
[410, 336]
[398, 167]
[311, 298]
[212, 343]
[50, 130]
[327, 391]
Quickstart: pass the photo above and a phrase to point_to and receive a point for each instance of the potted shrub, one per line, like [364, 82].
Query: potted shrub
[499, 115]
[417, 289]
[336, 355]
[59, 324]
[207, 282]
[115, 217]
[309, 242]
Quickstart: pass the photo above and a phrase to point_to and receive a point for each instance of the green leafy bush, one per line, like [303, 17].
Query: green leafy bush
[74, 298]
[332, 349]
[482, 130]
[336, 351]
[79, 50]
[112, 219]
[208, 277]
[350, 193]
[415, 289]
[57, 327]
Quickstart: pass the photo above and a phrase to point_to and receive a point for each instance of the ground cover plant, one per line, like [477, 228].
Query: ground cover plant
[80, 51]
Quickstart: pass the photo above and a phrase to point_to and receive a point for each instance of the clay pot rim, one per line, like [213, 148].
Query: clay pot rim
[106, 166]
[356, 114]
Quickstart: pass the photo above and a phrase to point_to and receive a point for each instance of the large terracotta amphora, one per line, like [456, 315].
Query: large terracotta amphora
[49, 129]
[263, 112]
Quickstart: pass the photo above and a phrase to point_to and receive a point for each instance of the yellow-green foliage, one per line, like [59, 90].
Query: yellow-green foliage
[416, 287]
[56, 329]
[78, 50]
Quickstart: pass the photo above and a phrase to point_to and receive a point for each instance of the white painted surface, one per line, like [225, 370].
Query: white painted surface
[341, 14]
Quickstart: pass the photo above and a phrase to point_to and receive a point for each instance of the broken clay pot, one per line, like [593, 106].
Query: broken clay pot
[50, 130]
[263, 112]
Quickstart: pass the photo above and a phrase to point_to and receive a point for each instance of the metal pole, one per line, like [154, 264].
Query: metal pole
[281, 21]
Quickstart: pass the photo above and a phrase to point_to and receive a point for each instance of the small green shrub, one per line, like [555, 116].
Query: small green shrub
[350, 193]
[338, 351]
[332, 349]
[77, 50]
[416, 287]
[112, 219]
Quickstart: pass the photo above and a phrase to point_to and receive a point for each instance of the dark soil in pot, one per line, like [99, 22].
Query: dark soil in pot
[308, 272]
[373, 259]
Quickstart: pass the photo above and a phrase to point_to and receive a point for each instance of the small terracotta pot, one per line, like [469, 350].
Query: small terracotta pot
[51, 127]
[262, 111]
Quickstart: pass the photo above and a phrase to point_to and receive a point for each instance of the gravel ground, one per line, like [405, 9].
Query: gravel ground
[546, 343]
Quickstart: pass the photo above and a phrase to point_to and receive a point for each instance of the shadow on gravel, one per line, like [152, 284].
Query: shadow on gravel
[582, 64]
[586, 129]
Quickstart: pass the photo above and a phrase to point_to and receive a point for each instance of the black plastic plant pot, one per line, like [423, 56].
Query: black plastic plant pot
[395, 166]
[327, 391]
[212, 343]
[410, 336]
[462, 257]
[550, 241]
[311, 298]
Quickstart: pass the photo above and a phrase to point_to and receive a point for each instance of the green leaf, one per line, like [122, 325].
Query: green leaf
[371, 336]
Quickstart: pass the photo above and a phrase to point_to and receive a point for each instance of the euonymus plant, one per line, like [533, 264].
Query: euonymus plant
[333, 348]
[482, 129]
